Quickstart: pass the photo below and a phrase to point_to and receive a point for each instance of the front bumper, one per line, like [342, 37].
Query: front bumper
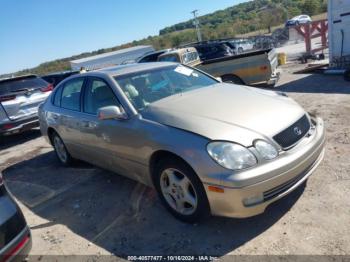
[13, 127]
[18, 249]
[270, 181]
[15, 237]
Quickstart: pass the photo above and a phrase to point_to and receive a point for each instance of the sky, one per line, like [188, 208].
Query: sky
[37, 31]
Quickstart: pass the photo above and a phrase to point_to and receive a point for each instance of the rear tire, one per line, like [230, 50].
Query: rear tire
[60, 149]
[181, 191]
[232, 79]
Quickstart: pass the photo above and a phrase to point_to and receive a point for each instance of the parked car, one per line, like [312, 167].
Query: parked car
[188, 56]
[298, 20]
[263, 42]
[253, 68]
[152, 57]
[242, 45]
[19, 101]
[15, 237]
[207, 147]
[208, 50]
[56, 78]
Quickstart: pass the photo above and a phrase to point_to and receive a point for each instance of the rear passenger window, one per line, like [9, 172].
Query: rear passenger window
[70, 98]
[57, 97]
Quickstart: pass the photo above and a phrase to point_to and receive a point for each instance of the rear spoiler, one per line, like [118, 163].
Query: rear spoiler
[16, 78]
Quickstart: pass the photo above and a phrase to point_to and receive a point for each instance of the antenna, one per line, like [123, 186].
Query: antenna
[196, 23]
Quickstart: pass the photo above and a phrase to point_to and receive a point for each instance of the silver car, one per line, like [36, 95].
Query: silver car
[207, 147]
[19, 101]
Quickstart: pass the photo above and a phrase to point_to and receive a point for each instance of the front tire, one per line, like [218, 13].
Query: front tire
[181, 191]
[61, 151]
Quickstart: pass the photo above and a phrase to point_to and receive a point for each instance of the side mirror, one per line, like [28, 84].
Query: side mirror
[111, 112]
[219, 79]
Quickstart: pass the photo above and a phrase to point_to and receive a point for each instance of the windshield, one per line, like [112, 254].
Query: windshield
[168, 58]
[146, 87]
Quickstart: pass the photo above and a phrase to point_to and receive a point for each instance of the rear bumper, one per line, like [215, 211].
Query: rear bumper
[274, 79]
[13, 127]
[249, 193]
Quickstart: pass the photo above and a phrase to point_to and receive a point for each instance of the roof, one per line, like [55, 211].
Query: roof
[61, 73]
[118, 52]
[180, 51]
[155, 52]
[133, 68]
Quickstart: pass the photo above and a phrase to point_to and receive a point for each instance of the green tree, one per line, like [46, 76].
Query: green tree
[272, 16]
[175, 41]
[311, 7]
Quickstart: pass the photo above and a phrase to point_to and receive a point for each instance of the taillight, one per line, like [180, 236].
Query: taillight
[7, 126]
[47, 88]
[7, 98]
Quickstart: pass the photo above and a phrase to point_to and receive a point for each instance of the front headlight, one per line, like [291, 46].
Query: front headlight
[266, 150]
[231, 156]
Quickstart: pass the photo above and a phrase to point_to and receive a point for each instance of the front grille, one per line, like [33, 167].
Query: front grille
[294, 133]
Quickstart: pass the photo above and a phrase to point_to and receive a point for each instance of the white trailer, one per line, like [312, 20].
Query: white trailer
[111, 58]
[339, 32]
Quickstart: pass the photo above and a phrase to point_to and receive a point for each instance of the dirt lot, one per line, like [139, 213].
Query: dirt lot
[86, 210]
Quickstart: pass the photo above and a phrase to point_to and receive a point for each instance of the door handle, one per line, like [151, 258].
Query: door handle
[88, 124]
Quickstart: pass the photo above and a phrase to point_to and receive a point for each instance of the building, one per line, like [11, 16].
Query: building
[111, 58]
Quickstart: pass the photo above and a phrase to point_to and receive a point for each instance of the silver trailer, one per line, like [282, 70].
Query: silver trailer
[111, 58]
[339, 33]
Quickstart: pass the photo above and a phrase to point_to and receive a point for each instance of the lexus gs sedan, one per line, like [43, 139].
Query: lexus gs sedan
[207, 147]
[15, 238]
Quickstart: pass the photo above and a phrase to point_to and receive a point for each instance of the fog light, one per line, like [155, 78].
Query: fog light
[253, 200]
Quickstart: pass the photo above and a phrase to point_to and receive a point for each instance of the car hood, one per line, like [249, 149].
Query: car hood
[227, 112]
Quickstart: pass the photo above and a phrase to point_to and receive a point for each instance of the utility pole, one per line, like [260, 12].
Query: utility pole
[196, 23]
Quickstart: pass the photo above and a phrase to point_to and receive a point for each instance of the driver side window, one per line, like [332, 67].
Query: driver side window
[98, 94]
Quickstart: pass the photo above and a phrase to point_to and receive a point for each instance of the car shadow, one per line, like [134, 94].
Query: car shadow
[16, 139]
[123, 216]
[316, 83]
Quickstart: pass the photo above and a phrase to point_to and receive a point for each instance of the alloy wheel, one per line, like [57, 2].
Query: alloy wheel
[178, 191]
[60, 149]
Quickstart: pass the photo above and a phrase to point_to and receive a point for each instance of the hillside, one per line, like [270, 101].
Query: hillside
[253, 16]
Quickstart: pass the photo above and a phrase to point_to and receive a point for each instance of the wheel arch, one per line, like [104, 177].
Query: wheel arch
[227, 76]
[50, 132]
[162, 154]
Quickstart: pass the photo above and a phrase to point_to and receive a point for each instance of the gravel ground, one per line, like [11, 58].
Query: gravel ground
[86, 210]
